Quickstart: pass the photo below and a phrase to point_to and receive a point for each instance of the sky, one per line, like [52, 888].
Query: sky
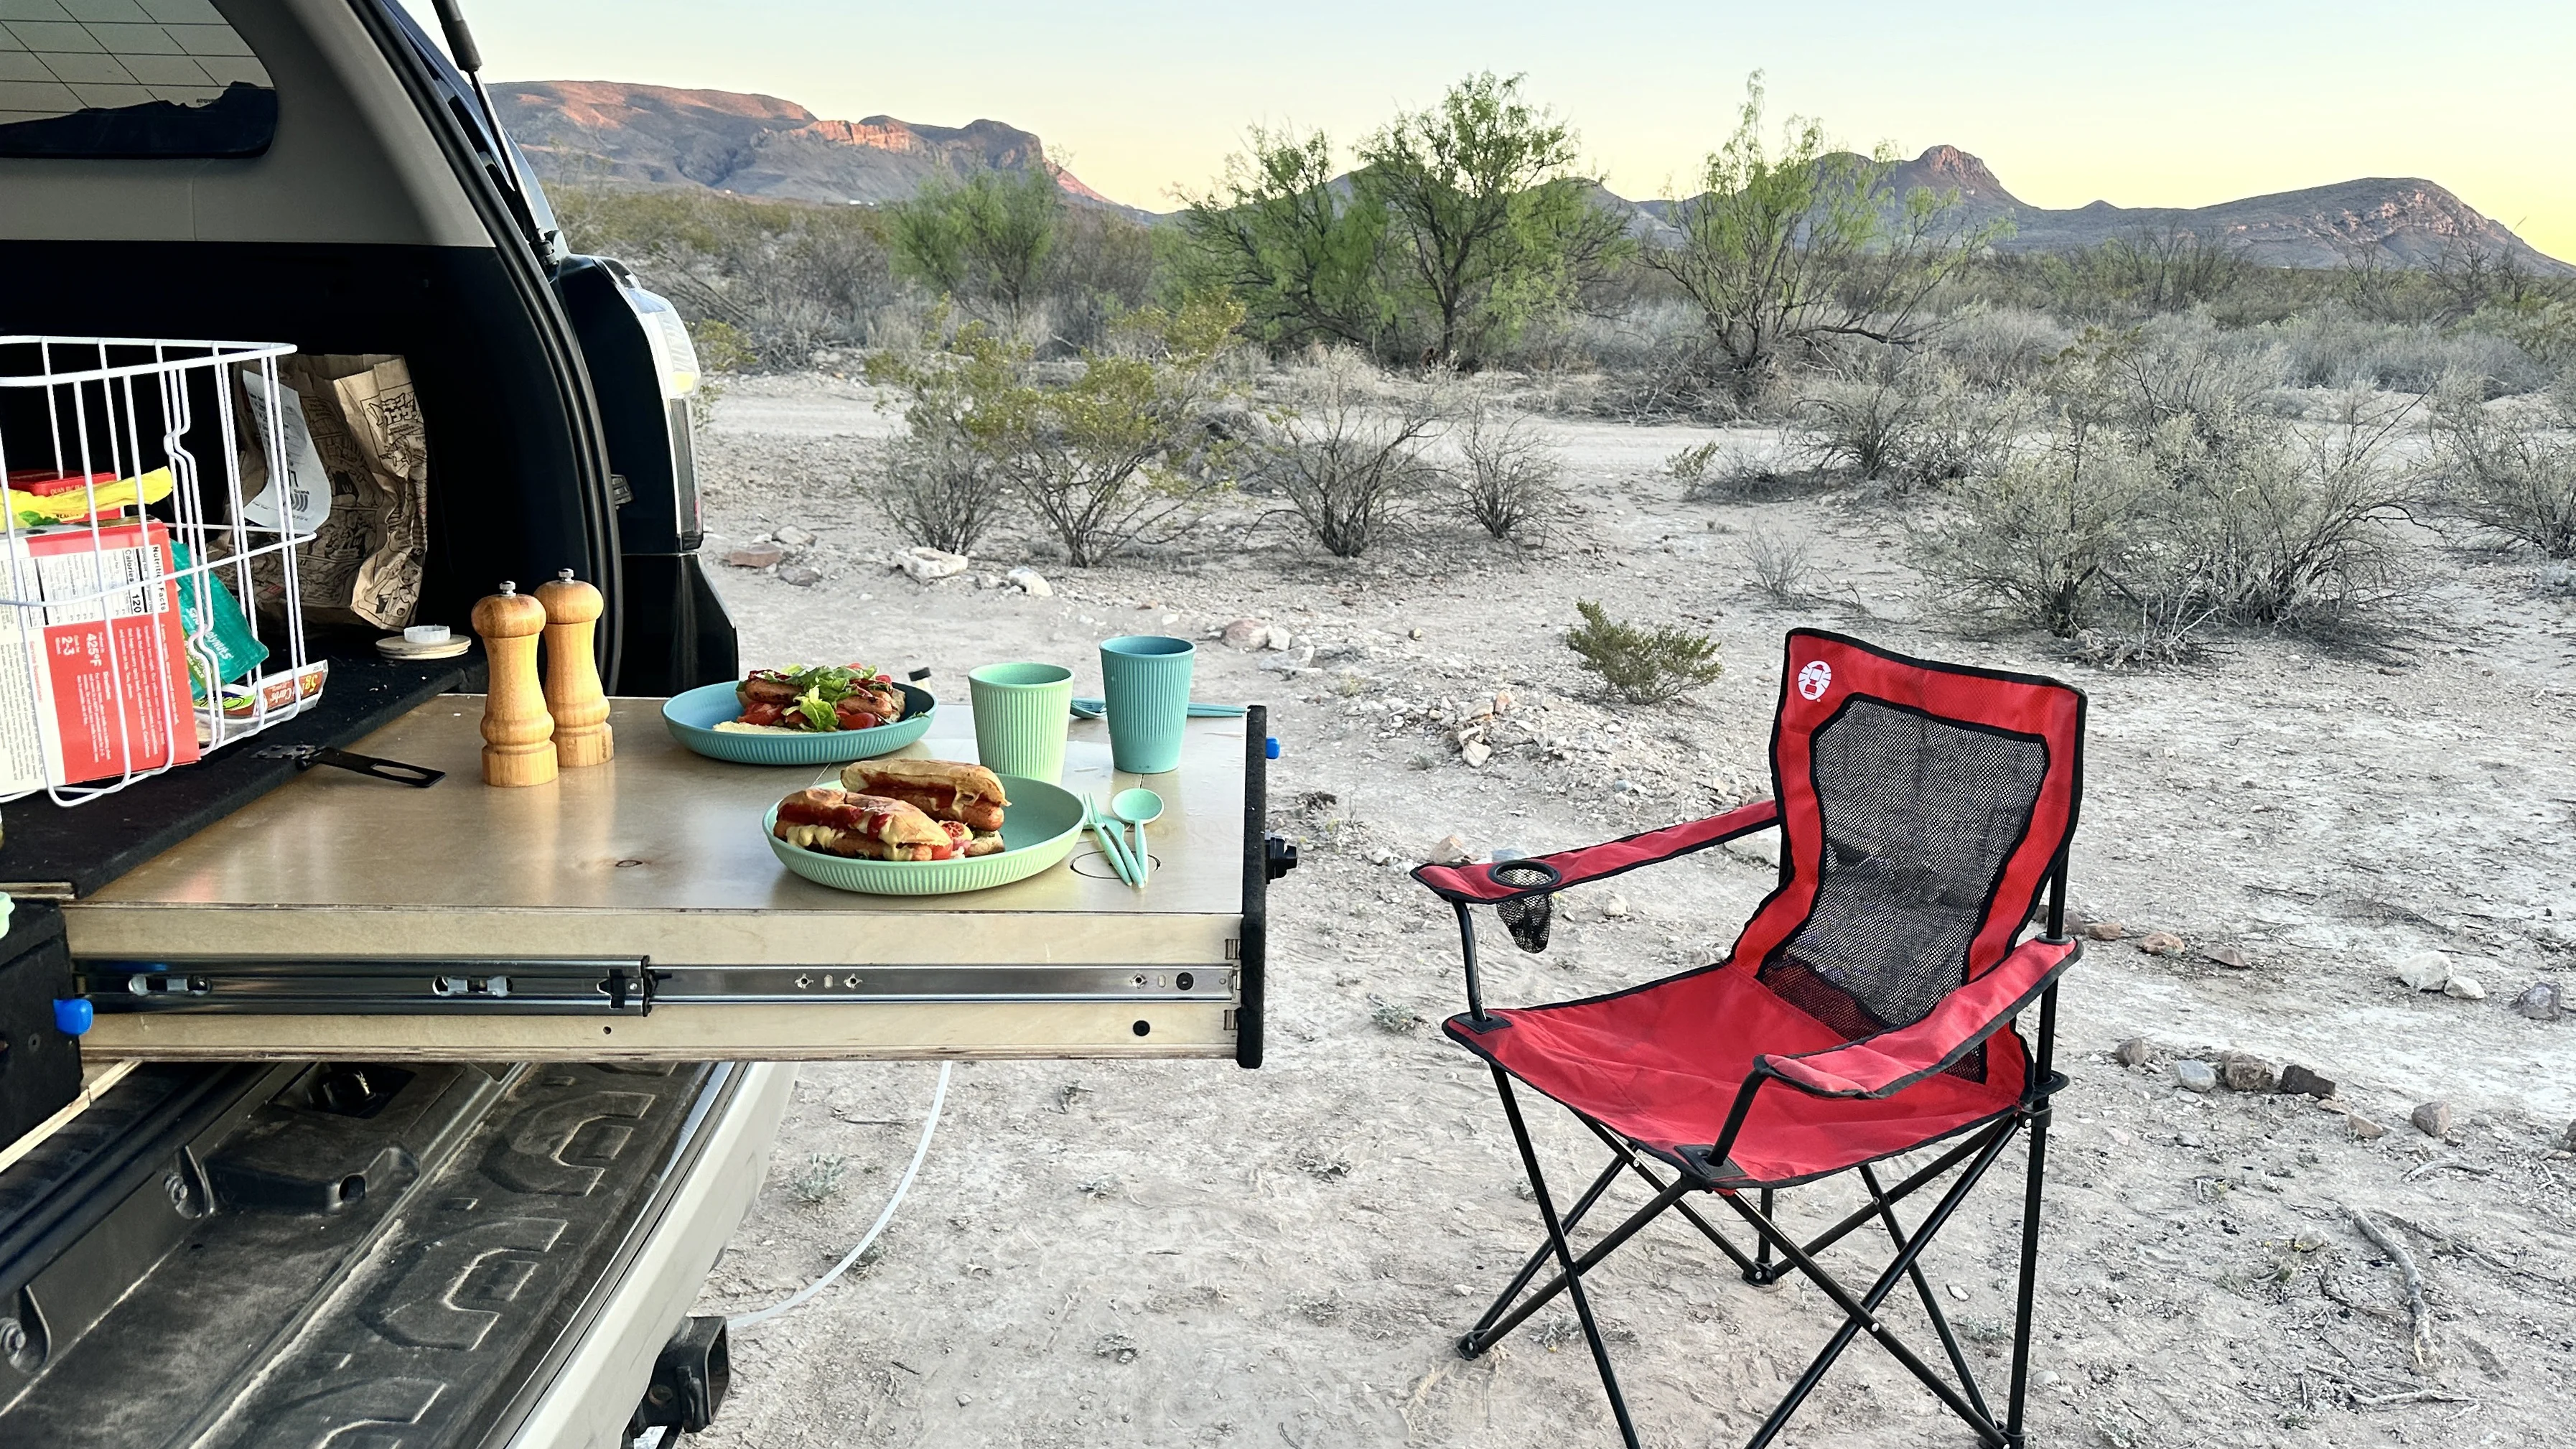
[2181, 103]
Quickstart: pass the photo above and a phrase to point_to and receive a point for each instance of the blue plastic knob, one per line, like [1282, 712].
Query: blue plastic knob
[1270, 748]
[72, 1017]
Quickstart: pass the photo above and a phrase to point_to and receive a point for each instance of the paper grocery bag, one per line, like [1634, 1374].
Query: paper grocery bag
[366, 558]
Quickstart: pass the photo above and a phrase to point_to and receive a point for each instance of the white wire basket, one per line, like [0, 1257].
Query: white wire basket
[134, 635]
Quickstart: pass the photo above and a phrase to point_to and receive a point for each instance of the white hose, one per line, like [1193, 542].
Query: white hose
[930, 1124]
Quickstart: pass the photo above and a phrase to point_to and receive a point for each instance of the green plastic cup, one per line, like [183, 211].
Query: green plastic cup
[1146, 678]
[1021, 711]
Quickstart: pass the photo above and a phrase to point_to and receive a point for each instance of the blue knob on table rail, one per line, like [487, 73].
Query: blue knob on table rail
[72, 1016]
[1270, 747]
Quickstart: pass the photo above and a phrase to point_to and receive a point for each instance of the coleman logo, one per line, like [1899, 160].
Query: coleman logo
[1815, 679]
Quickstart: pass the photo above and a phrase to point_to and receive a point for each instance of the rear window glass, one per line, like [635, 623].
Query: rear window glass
[131, 78]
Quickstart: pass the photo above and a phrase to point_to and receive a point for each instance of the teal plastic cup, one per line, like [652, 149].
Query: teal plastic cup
[1021, 712]
[1146, 679]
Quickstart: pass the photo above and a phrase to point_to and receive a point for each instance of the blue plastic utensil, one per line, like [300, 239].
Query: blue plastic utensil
[1138, 808]
[1090, 708]
[1101, 823]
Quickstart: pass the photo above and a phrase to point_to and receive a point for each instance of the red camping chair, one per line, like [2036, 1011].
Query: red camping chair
[1864, 1012]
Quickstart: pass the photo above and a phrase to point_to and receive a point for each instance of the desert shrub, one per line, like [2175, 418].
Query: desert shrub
[787, 276]
[1639, 665]
[935, 487]
[1864, 428]
[1108, 452]
[2028, 545]
[981, 239]
[2290, 525]
[1779, 565]
[2508, 469]
[1690, 465]
[2000, 347]
[1348, 453]
[2138, 378]
[1917, 423]
[2135, 542]
[1805, 251]
[1513, 480]
[2334, 348]
[819, 1178]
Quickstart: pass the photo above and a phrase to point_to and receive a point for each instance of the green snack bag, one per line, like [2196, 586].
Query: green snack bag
[232, 644]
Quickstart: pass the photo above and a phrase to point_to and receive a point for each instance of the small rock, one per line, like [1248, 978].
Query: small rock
[988, 581]
[2105, 930]
[803, 576]
[2433, 1119]
[794, 537]
[1280, 637]
[2567, 1143]
[1959, 1291]
[2364, 1128]
[1614, 907]
[755, 556]
[2297, 1080]
[2466, 988]
[2245, 1072]
[2132, 1053]
[1415, 632]
[1452, 850]
[930, 565]
[2425, 971]
[1503, 702]
[1622, 787]
[1475, 753]
[2162, 943]
[1245, 634]
[2541, 1001]
[2195, 1075]
[2229, 957]
[1761, 845]
[1030, 582]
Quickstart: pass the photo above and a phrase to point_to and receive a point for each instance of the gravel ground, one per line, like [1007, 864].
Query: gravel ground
[1184, 1253]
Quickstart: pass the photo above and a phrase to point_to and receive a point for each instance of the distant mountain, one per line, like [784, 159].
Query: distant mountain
[2407, 221]
[751, 145]
[761, 146]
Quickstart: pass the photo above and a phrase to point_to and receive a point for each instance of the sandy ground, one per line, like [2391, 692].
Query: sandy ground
[1183, 1254]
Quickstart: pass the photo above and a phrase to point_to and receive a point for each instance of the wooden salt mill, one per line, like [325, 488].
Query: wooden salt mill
[518, 734]
[573, 694]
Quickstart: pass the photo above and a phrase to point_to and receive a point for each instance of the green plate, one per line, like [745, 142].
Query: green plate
[692, 718]
[1039, 829]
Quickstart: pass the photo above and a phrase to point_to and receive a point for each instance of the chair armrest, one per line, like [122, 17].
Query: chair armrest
[1888, 1063]
[1475, 884]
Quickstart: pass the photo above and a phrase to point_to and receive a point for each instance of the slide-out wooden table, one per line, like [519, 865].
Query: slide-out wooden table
[635, 911]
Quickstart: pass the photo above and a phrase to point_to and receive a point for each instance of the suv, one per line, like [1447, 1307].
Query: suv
[316, 1201]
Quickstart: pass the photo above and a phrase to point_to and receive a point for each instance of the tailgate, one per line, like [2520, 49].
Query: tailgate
[635, 911]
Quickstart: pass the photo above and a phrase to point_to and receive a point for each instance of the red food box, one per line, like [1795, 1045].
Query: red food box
[69, 712]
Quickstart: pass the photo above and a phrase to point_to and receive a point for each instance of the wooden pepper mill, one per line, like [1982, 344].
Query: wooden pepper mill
[573, 693]
[518, 734]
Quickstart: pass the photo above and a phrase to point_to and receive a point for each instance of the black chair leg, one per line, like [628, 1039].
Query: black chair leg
[1761, 1271]
[2029, 1274]
[1565, 1260]
[1482, 1336]
[1923, 1293]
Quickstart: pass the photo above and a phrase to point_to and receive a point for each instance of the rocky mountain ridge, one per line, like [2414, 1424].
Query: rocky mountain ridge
[763, 146]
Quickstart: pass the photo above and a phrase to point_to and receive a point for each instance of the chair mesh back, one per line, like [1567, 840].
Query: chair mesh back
[1919, 818]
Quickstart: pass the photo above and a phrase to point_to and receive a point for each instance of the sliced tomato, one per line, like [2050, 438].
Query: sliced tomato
[855, 715]
[762, 714]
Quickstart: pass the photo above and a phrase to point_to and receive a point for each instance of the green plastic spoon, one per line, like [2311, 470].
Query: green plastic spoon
[1139, 808]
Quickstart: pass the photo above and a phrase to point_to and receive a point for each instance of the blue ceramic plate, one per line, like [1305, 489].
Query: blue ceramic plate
[692, 719]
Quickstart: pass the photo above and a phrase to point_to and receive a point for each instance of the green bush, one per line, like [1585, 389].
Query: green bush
[2509, 469]
[1642, 666]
